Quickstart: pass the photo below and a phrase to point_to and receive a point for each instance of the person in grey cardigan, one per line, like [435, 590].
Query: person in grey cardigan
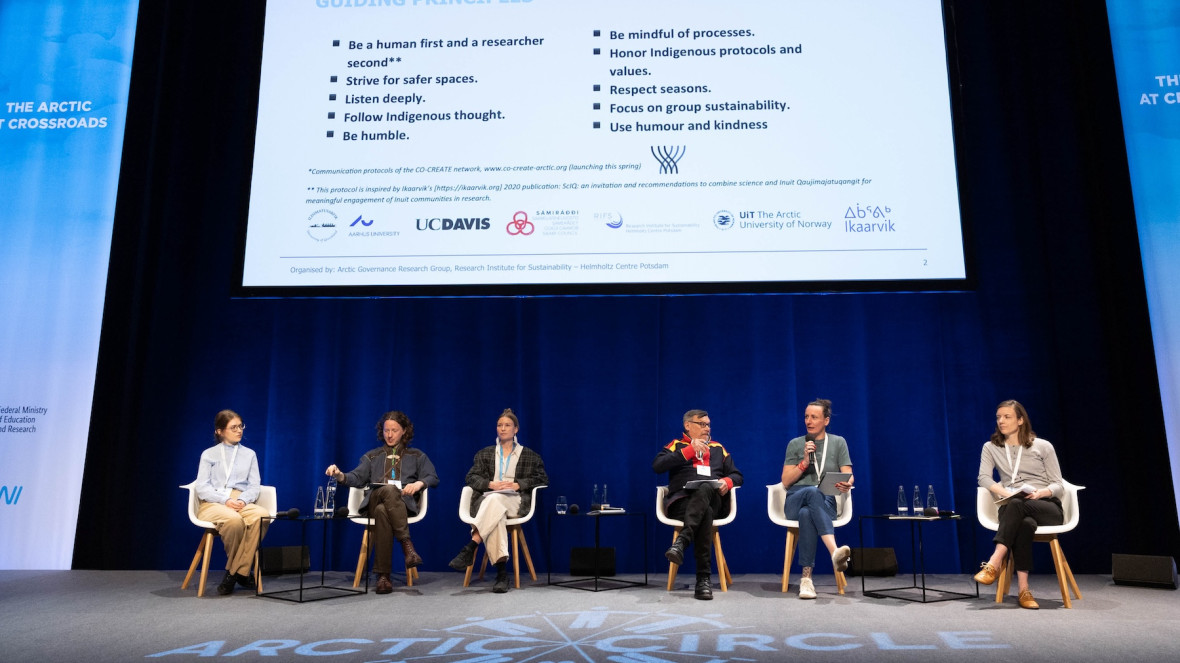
[1030, 480]
[393, 476]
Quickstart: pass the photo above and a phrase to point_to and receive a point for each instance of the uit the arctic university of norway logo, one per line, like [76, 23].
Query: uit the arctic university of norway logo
[723, 219]
[322, 225]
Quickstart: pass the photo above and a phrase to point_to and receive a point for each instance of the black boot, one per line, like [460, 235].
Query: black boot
[247, 581]
[675, 554]
[227, 584]
[501, 584]
[465, 558]
[704, 590]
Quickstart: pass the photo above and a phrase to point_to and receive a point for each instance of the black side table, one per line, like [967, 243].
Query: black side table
[322, 590]
[598, 578]
[917, 560]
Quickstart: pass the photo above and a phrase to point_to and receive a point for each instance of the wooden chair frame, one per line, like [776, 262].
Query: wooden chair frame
[723, 573]
[776, 497]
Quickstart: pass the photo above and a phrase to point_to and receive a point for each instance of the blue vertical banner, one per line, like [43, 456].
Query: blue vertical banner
[65, 68]
[1145, 35]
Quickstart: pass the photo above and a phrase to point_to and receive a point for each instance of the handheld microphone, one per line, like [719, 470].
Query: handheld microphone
[810, 454]
[573, 509]
[289, 513]
[341, 512]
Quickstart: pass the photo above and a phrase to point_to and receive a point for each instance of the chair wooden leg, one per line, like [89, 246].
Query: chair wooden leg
[1059, 566]
[841, 582]
[196, 560]
[1073, 584]
[361, 559]
[257, 573]
[528, 559]
[516, 554]
[205, 563]
[1009, 574]
[788, 555]
[672, 566]
[1002, 580]
[471, 567]
[467, 576]
[722, 566]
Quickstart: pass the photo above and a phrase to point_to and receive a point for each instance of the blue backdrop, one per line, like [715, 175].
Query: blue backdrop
[1058, 320]
[1145, 34]
[65, 66]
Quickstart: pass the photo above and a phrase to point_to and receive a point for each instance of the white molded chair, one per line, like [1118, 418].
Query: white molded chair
[989, 517]
[677, 525]
[355, 497]
[518, 541]
[776, 498]
[267, 499]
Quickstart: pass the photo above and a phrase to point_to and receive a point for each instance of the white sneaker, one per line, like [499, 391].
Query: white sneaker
[806, 589]
[840, 558]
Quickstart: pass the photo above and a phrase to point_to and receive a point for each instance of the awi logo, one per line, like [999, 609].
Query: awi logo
[10, 494]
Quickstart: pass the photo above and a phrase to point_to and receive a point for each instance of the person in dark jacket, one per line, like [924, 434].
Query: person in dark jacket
[392, 475]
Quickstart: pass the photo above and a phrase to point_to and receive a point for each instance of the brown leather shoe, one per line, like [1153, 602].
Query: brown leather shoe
[384, 584]
[1026, 600]
[987, 574]
[412, 557]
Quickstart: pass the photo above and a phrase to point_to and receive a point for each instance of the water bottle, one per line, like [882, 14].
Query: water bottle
[604, 502]
[931, 500]
[330, 499]
[596, 501]
[318, 511]
[917, 502]
[562, 506]
[902, 507]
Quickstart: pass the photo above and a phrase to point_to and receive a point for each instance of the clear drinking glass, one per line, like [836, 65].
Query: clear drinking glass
[562, 506]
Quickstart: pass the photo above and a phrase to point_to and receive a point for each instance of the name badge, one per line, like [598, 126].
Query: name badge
[395, 482]
[704, 470]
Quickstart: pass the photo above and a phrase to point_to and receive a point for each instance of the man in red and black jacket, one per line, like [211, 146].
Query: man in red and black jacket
[700, 475]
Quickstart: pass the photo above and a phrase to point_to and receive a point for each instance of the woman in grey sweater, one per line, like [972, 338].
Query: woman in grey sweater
[1031, 477]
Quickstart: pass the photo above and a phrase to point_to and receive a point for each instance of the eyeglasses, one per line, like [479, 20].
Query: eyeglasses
[702, 424]
[238, 428]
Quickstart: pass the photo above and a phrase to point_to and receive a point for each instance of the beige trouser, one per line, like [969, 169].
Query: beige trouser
[491, 520]
[240, 531]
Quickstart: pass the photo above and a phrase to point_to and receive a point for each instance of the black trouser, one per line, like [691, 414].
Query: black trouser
[1018, 522]
[697, 511]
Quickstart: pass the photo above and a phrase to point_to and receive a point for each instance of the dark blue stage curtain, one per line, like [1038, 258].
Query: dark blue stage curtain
[1057, 320]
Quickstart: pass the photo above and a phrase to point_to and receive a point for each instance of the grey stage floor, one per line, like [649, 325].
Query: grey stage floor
[95, 616]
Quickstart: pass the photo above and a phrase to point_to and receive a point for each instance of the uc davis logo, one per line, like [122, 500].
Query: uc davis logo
[10, 494]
